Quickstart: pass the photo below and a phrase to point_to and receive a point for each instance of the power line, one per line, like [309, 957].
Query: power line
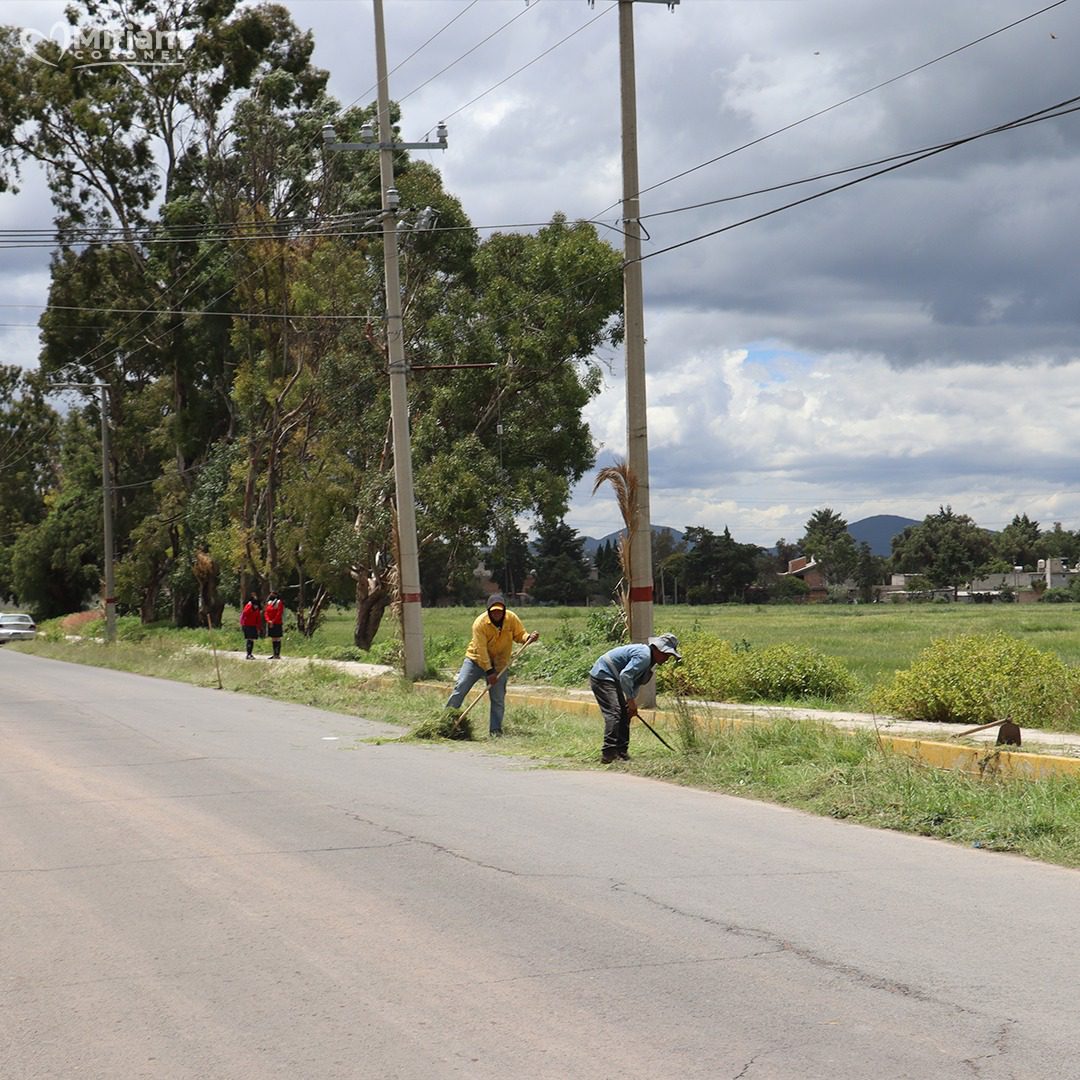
[845, 101]
[464, 55]
[540, 56]
[418, 49]
[196, 311]
[1033, 118]
[836, 172]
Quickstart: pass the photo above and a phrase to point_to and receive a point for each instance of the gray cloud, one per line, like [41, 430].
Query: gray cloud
[931, 315]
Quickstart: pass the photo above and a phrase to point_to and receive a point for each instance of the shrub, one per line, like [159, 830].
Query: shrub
[791, 671]
[979, 678]
[709, 669]
[348, 653]
[1056, 596]
[717, 670]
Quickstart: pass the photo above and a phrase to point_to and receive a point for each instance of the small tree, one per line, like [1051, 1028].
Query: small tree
[561, 569]
[948, 548]
[830, 545]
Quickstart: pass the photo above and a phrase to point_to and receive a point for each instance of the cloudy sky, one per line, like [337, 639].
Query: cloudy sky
[905, 342]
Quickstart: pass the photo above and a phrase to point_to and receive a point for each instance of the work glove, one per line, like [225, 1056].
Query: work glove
[492, 677]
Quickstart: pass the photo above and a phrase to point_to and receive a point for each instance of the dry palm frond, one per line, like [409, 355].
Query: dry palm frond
[622, 479]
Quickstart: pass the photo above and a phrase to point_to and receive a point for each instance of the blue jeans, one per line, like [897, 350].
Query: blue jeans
[471, 673]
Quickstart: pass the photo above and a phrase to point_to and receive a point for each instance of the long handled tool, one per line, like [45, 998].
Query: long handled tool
[1008, 731]
[655, 732]
[487, 686]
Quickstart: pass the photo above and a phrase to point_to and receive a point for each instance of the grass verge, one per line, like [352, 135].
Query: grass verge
[801, 764]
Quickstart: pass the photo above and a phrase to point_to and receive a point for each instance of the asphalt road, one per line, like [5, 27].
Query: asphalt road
[200, 884]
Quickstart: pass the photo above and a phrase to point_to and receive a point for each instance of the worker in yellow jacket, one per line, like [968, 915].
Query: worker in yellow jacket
[488, 657]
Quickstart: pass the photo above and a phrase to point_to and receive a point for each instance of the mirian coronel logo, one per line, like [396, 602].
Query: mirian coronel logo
[89, 46]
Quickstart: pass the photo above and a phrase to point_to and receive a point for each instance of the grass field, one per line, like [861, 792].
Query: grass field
[874, 640]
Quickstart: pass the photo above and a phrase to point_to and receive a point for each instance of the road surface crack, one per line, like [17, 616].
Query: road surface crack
[848, 971]
[1000, 1048]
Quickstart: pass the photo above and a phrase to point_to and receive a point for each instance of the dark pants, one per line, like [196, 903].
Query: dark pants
[616, 719]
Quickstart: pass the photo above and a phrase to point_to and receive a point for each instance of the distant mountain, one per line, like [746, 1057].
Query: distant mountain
[591, 543]
[878, 531]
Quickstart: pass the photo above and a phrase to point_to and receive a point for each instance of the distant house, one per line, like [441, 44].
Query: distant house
[1026, 585]
[807, 570]
[1023, 586]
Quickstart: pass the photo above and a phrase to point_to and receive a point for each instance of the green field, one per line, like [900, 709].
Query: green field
[874, 640]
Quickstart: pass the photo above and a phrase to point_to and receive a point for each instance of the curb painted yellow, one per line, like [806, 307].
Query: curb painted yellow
[977, 760]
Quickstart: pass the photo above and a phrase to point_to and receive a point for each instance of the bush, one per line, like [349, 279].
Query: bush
[979, 678]
[348, 653]
[1056, 596]
[717, 670]
[791, 671]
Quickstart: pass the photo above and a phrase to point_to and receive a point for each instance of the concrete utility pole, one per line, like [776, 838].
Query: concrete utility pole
[637, 428]
[408, 549]
[107, 498]
[107, 501]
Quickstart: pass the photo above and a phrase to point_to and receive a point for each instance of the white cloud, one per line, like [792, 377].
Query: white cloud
[857, 435]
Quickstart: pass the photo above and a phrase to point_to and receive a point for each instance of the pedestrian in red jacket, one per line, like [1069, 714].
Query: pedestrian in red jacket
[251, 623]
[274, 612]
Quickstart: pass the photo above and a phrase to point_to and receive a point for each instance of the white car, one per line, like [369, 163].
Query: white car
[17, 628]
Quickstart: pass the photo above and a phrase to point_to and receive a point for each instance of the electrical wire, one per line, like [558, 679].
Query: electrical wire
[418, 49]
[1050, 112]
[841, 172]
[540, 56]
[198, 311]
[1031, 118]
[838, 104]
[468, 53]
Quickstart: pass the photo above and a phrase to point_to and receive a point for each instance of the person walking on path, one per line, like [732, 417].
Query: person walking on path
[274, 612]
[615, 680]
[488, 657]
[251, 623]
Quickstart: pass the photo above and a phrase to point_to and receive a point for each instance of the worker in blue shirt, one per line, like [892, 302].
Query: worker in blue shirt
[616, 679]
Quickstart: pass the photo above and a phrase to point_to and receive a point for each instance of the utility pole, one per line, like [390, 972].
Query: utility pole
[408, 549]
[107, 500]
[637, 427]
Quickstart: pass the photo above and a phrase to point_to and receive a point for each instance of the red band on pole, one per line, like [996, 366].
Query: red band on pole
[410, 598]
[641, 594]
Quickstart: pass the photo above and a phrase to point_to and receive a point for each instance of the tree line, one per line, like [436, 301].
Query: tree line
[946, 550]
[222, 275]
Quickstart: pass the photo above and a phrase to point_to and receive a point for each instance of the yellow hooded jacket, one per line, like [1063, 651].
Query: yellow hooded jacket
[491, 645]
